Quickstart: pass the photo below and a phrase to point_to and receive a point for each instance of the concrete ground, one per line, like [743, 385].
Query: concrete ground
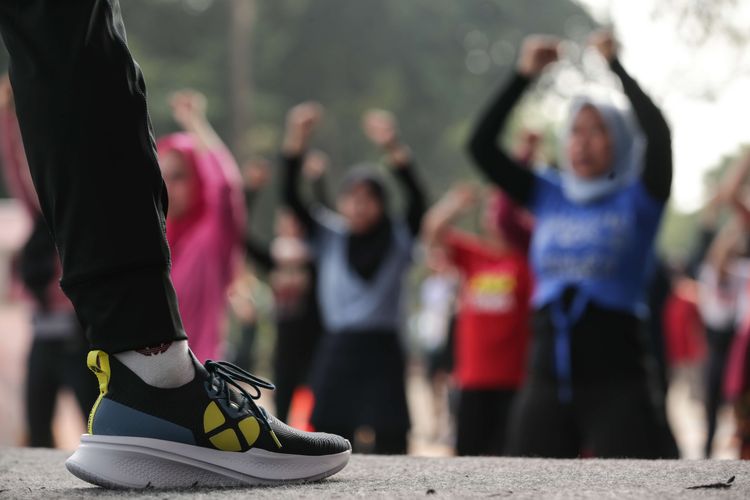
[28, 473]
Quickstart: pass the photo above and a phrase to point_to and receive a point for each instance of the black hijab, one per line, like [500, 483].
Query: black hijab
[367, 251]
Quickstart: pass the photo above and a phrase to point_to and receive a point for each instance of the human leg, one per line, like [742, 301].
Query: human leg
[42, 386]
[80, 100]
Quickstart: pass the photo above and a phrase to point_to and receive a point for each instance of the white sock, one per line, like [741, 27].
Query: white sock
[166, 365]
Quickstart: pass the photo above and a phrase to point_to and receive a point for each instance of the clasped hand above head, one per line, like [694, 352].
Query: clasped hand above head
[539, 51]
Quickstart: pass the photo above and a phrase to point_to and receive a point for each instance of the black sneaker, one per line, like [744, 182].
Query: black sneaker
[209, 432]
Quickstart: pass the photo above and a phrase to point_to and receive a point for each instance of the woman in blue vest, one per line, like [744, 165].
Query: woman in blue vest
[362, 254]
[588, 392]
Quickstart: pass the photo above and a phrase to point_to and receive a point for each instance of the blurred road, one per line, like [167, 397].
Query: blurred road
[40, 474]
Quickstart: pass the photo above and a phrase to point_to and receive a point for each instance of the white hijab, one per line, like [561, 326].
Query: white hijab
[628, 149]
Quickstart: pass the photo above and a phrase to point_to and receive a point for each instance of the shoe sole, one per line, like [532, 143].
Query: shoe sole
[120, 462]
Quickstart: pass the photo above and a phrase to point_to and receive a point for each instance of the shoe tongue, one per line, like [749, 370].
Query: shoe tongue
[234, 395]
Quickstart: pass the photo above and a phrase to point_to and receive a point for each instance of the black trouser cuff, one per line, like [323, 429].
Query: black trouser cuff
[128, 310]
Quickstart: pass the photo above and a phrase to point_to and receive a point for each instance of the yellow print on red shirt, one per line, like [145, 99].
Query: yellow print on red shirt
[491, 292]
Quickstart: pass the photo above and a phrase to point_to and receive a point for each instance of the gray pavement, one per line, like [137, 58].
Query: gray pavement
[26, 473]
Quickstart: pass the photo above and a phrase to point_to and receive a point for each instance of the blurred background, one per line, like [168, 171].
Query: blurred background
[433, 63]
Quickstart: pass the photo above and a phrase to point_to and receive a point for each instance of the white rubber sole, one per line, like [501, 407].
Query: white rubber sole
[129, 462]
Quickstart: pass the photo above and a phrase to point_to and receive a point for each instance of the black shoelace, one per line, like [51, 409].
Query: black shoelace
[227, 374]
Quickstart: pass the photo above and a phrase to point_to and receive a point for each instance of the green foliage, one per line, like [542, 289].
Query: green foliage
[407, 56]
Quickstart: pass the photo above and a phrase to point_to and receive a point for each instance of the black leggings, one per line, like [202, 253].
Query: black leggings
[296, 341]
[52, 365]
[483, 421]
[615, 410]
[368, 441]
[614, 420]
[719, 343]
[358, 383]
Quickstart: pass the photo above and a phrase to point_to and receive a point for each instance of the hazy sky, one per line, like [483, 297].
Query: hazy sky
[682, 80]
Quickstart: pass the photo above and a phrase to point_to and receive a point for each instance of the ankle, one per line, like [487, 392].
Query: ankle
[166, 365]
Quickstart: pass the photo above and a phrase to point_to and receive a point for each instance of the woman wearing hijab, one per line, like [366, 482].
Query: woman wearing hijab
[588, 392]
[205, 221]
[362, 254]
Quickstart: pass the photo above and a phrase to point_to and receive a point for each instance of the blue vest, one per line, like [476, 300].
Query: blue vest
[348, 302]
[604, 248]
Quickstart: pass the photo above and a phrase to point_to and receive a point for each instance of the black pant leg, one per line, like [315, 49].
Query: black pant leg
[502, 406]
[81, 105]
[618, 420]
[42, 386]
[390, 443]
[719, 343]
[283, 393]
[245, 354]
[290, 366]
[471, 431]
[541, 426]
[482, 421]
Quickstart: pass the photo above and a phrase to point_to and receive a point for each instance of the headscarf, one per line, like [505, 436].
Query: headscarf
[366, 252]
[368, 175]
[205, 242]
[627, 153]
[184, 145]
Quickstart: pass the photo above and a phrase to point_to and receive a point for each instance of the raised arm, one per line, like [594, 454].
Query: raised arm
[217, 167]
[456, 202]
[708, 227]
[189, 111]
[301, 122]
[256, 175]
[515, 179]
[732, 188]
[724, 245]
[314, 169]
[657, 169]
[382, 129]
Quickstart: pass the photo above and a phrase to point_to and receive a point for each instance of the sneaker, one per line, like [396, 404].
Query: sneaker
[209, 432]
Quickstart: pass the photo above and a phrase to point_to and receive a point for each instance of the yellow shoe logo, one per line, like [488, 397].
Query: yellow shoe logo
[226, 435]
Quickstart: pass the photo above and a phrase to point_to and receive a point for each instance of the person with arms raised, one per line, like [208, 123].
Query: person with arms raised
[363, 253]
[588, 391]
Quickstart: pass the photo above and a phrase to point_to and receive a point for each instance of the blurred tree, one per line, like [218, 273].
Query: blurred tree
[699, 20]
[241, 30]
[433, 62]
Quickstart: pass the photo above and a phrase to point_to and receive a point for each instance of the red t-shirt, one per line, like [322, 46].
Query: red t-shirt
[492, 329]
[683, 328]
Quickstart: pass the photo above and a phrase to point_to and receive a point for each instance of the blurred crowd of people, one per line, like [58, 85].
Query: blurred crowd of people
[553, 330]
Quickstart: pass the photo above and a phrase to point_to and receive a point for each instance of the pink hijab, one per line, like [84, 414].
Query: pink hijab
[206, 243]
[514, 221]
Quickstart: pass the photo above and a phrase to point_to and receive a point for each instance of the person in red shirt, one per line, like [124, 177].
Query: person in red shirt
[492, 330]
